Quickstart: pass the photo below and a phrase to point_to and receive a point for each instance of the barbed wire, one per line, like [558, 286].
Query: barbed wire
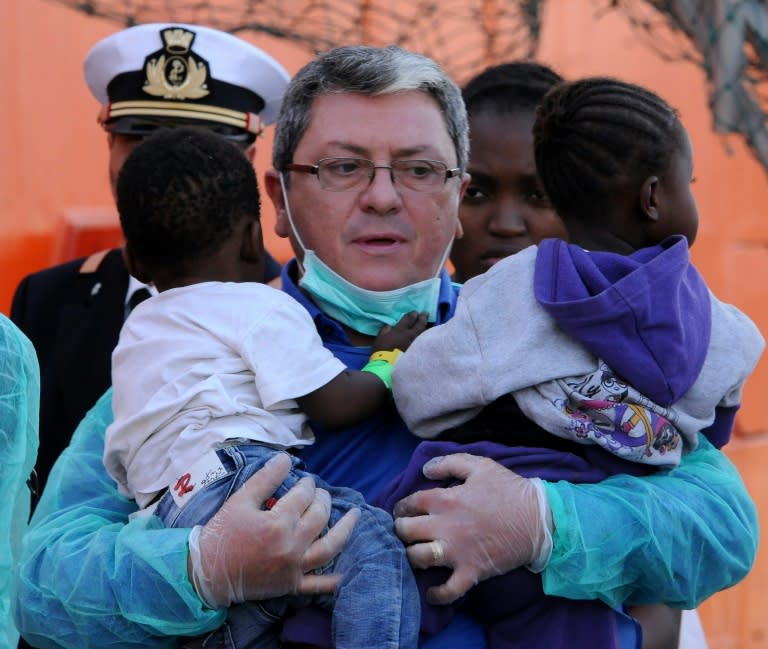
[489, 31]
[727, 39]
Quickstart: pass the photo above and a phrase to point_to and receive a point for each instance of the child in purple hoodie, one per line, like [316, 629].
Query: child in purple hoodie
[564, 351]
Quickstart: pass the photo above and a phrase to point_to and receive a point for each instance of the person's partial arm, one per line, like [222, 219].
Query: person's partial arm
[88, 577]
[676, 537]
[661, 625]
[19, 414]
[87, 574]
[353, 395]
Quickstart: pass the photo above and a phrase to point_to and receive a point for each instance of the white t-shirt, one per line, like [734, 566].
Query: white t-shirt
[201, 364]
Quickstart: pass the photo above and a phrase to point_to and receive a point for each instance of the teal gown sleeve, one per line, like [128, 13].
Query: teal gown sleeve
[88, 576]
[676, 537]
[19, 408]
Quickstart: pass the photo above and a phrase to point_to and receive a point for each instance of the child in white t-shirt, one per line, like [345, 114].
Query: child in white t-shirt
[218, 373]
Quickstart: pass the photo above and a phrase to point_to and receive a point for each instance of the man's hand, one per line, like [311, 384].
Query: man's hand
[248, 553]
[494, 522]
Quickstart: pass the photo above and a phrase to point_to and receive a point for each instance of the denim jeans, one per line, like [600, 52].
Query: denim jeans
[376, 603]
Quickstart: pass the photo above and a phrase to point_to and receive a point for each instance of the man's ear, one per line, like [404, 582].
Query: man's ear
[250, 152]
[135, 267]
[252, 245]
[465, 178]
[649, 198]
[459, 229]
[275, 193]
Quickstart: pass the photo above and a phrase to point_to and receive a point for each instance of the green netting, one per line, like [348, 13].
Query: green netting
[728, 39]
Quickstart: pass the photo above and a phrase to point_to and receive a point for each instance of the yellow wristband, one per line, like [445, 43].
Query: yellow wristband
[389, 356]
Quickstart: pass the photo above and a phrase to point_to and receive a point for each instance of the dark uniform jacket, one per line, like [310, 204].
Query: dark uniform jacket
[73, 314]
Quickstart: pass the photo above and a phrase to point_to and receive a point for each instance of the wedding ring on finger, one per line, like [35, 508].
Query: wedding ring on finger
[438, 553]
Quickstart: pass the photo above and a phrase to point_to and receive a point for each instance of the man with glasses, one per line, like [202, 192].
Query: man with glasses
[367, 252]
[346, 174]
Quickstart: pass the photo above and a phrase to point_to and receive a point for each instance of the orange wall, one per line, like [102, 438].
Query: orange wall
[54, 158]
[732, 193]
[53, 155]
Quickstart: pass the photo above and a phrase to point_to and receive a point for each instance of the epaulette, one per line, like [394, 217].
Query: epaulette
[92, 263]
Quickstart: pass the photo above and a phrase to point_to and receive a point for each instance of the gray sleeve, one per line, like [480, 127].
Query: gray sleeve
[735, 346]
[437, 383]
[498, 341]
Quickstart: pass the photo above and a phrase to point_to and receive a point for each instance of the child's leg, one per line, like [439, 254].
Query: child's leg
[208, 485]
[377, 602]
[253, 625]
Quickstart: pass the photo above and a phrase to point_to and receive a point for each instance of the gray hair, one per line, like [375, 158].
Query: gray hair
[368, 71]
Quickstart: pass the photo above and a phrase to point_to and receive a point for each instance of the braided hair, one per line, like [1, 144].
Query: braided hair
[597, 137]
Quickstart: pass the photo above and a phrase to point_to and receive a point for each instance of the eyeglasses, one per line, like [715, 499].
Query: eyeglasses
[345, 174]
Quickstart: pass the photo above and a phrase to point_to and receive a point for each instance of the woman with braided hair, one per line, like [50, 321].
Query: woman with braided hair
[505, 209]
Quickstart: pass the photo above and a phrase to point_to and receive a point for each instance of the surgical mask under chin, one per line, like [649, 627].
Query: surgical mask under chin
[360, 309]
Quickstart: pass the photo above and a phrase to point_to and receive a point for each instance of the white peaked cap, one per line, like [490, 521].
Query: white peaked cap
[164, 73]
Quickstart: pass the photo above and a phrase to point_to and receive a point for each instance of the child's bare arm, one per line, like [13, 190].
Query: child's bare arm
[352, 396]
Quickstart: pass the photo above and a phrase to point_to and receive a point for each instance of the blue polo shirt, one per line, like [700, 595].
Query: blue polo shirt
[369, 455]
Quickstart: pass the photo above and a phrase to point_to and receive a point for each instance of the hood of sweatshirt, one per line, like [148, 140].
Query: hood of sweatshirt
[647, 315]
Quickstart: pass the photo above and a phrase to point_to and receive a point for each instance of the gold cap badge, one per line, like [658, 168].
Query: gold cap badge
[177, 73]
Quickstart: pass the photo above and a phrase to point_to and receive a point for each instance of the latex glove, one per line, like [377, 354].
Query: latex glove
[493, 522]
[248, 553]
